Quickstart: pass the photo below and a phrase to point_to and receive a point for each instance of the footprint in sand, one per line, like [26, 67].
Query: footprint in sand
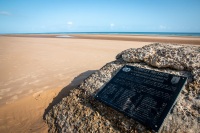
[5, 90]
[37, 95]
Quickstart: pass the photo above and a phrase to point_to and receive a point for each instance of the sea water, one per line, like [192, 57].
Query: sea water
[134, 33]
[123, 33]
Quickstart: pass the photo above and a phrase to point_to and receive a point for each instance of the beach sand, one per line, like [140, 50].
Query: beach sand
[37, 71]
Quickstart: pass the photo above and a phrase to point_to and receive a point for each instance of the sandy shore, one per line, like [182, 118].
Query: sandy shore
[36, 71]
[139, 38]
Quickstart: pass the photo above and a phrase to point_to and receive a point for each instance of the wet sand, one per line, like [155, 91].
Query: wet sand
[139, 38]
[38, 70]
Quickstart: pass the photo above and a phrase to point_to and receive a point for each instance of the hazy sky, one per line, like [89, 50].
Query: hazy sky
[34, 16]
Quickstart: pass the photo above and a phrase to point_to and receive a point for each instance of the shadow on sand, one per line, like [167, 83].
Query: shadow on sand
[66, 90]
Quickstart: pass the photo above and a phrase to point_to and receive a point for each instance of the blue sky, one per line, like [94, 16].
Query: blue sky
[37, 16]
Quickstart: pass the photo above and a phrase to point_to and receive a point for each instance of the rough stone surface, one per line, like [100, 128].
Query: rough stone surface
[172, 56]
[80, 112]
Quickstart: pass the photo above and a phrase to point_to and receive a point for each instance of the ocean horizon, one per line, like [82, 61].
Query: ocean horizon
[123, 33]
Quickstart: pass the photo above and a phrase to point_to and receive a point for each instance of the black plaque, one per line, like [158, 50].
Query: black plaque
[142, 94]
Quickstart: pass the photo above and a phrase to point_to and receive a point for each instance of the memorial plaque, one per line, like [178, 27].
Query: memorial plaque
[142, 94]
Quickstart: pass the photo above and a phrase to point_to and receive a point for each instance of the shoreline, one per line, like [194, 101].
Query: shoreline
[52, 35]
[195, 34]
[145, 38]
[128, 37]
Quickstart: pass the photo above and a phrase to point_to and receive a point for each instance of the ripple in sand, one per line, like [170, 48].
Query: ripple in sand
[12, 99]
[46, 87]
[19, 92]
[30, 91]
[5, 90]
[33, 82]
